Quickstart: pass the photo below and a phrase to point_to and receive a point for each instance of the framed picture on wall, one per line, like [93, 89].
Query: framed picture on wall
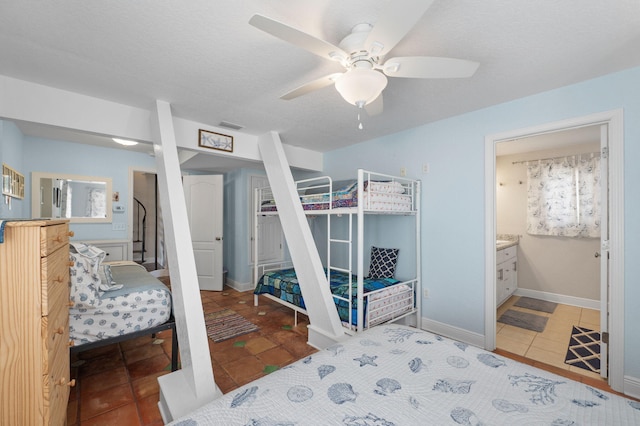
[213, 140]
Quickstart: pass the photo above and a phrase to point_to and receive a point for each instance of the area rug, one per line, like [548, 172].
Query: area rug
[225, 324]
[584, 349]
[536, 304]
[524, 320]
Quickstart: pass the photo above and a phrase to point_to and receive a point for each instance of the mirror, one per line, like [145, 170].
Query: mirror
[74, 197]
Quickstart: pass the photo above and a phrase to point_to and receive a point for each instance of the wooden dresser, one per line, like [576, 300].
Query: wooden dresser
[34, 318]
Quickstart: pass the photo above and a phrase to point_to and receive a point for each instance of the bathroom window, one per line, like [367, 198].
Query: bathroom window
[563, 197]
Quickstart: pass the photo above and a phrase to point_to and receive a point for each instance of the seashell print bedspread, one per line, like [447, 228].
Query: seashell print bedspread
[397, 375]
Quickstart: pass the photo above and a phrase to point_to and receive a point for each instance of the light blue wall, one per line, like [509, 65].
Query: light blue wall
[237, 234]
[44, 155]
[11, 139]
[453, 192]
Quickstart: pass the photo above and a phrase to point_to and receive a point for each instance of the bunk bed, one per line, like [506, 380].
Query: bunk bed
[115, 301]
[363, 299]
[399, 375]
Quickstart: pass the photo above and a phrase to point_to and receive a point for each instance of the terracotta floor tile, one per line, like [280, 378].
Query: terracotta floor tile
[148, 366]
[149, 411]
[276, 356]
[100, 364]
[229, 355]
[258, 345]
[223, 380]
[147, 385]
[147, 350]
[104, 380]
[125, 415]
[98, 403]
[244, 369]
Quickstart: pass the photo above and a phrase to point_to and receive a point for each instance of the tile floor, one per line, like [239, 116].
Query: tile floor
[550, 346]
[117, 384]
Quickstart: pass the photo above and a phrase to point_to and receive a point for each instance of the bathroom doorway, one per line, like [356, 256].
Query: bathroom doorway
[611, 123]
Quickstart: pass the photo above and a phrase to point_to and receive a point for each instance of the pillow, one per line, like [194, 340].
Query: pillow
[108, 279]
[383, 262]
[84, 282]
[95, 257]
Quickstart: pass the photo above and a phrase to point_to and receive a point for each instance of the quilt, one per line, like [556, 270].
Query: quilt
[284, 285]
[397, 375]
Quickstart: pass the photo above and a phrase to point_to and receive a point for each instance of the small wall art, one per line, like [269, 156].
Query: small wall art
[213, 140]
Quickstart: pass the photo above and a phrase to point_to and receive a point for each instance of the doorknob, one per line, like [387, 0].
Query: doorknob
[597, 254]
[218, 238]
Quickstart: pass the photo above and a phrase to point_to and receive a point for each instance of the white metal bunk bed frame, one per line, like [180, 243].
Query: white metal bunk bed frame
[412, 189]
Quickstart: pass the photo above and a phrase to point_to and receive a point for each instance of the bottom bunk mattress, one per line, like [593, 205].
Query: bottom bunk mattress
[388, 298]
[397, 375]
[141, 303]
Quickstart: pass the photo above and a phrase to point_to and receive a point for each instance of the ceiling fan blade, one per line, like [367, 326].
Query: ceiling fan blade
[375, 107]
[298, 38]
[397, 19]
[319, 83]
[429, 67]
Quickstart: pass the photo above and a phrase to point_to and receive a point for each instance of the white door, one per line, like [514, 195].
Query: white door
[203, 195]
[604, 251]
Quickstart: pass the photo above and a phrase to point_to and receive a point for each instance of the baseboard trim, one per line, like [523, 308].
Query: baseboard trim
[452, 332]
[632, 387]
[559, 298]
[239, 286]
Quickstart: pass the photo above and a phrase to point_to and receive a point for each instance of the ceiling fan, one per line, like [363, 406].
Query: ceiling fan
[363, 53]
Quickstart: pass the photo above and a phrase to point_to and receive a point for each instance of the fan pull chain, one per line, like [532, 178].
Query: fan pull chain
[360, 127]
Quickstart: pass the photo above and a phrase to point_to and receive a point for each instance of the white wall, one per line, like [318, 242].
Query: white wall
[558, 265]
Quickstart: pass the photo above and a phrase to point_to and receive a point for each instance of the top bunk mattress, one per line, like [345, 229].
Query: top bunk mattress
[397, 375]
[382, 196]
[141, 303]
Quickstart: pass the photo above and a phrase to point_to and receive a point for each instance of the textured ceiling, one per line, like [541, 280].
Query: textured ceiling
[205, 59]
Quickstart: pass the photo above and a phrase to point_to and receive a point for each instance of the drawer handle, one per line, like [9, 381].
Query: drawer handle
[58, 279]
[71, 263]
[70, 303]
[60, 330]
[71, 233]
[71, 343]
[63, 381]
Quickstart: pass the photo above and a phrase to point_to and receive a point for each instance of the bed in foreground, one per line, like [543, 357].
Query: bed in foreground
[397, 375]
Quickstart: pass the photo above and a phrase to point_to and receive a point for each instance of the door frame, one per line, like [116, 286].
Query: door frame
[132, 170]
[614, 120]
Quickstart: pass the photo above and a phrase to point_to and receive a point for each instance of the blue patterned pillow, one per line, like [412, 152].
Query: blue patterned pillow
[383, 262]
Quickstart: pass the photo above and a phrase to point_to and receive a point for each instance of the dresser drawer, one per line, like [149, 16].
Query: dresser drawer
[55, 335]
[52, 238]
[56, 390]
[55, 279]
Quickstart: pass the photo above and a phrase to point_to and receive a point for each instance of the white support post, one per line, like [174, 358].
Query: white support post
[193, 385]
[325, 327]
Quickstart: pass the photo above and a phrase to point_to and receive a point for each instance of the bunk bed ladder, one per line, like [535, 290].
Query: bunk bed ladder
[348, 242]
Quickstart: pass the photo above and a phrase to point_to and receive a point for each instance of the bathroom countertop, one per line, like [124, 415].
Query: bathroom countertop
[504, 241]
[502, 246]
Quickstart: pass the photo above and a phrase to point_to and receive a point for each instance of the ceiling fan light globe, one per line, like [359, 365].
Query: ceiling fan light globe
[360, 86]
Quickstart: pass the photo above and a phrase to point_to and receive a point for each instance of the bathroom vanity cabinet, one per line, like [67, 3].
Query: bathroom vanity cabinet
[506, 273]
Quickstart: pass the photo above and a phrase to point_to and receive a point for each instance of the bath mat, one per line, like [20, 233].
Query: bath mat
[584, 349]
[225, 324]
[536, 304]
[524, 320]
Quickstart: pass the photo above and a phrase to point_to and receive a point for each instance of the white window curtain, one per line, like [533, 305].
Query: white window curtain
[563, 197]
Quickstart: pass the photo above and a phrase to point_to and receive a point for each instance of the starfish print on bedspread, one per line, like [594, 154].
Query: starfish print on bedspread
[366, 359]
